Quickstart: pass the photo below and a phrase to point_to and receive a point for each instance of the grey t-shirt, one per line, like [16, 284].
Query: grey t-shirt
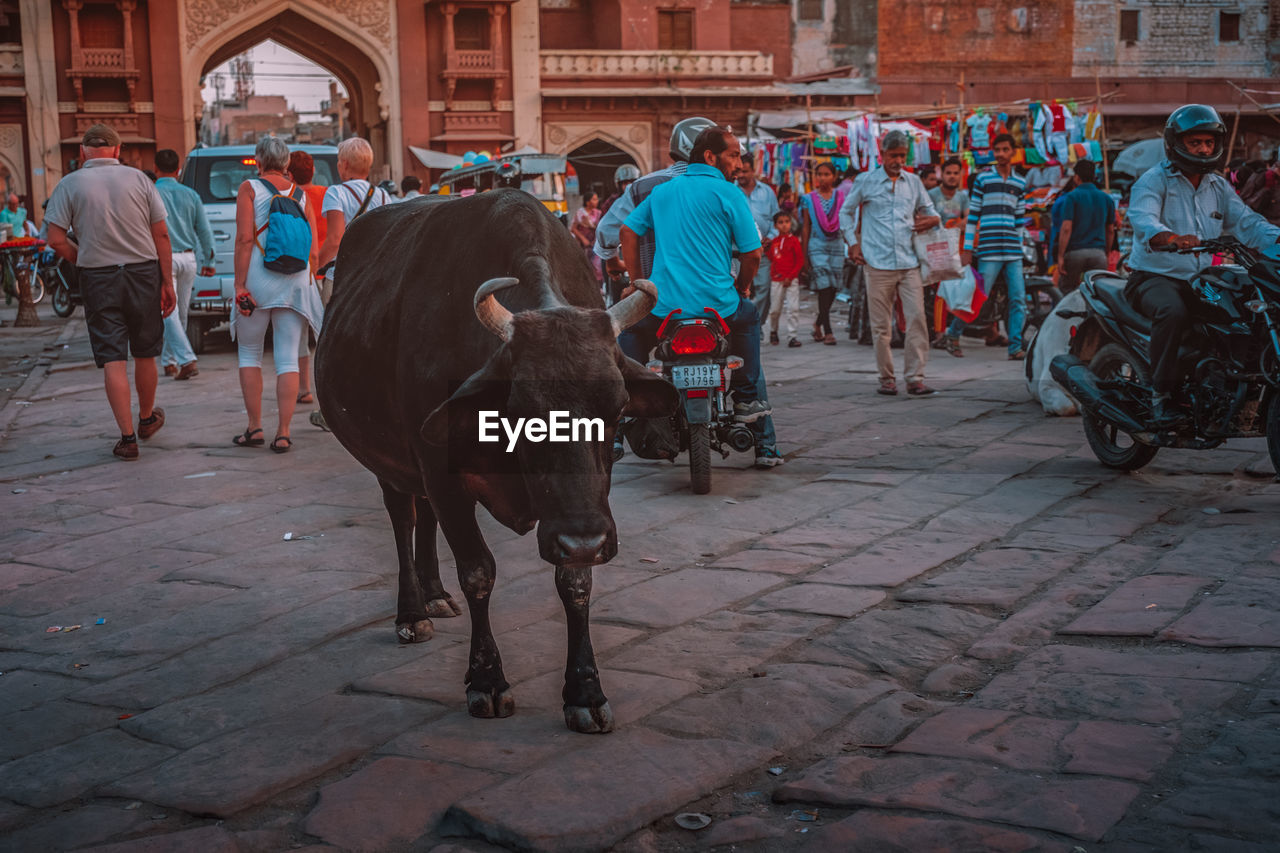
[111, 208]
[956, 207]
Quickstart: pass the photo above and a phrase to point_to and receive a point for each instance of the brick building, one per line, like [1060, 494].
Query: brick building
[601, 80]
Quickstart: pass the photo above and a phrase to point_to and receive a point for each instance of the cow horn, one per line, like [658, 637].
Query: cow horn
[633, 309]
[489, 311]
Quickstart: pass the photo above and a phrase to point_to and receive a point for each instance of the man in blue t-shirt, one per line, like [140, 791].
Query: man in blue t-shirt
[702, 221]
[1088, 229]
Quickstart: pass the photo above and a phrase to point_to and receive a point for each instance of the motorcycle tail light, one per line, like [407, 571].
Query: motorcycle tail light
[693, 340]
[697, 393]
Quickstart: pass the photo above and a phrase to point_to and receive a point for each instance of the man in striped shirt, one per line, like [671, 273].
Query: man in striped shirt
[994, 234]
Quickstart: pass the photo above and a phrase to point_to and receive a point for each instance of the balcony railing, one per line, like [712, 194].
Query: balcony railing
[653, 63]
[11, 60]
[474, 60]
[102, 59]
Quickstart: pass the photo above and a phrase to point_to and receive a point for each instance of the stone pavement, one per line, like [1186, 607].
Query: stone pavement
[940, 626]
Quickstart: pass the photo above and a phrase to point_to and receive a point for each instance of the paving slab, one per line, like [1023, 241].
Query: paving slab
[390, 803]
[902, 643]
[672, 599]
[787, 706]
[1081, 808]
[206, 839]
[1000, 576]
[1140, 607]
[242, 768]
[716, 647]
[818, 598]
[899, 558]
[1035, 743]
[512, 745]
[59, 774]
[75, 828]
[878, 832]
[1242, 612]
[549, 809]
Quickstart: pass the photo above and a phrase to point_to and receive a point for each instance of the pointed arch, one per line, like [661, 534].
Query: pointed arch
[363, 61]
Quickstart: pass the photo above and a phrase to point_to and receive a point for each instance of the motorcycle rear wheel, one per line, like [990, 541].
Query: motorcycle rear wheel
[61, 300]
[1273, 431]
[700, 458]
[1114, 448]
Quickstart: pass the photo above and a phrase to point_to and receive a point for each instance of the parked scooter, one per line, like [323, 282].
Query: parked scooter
[1228, 365]
[61, 282]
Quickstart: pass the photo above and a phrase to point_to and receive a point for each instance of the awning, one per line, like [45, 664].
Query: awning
[435, 159]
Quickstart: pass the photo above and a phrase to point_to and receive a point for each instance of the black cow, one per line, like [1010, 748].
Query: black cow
[415, 344]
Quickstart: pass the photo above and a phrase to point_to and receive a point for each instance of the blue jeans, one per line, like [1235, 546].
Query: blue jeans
[177, 349]
[744, 341]
[990, 272]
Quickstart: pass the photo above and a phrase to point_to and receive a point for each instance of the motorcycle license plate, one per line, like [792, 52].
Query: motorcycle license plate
[696, 376]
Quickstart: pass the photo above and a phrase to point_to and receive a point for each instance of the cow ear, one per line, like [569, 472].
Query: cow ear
[454, 422]
[650, 395]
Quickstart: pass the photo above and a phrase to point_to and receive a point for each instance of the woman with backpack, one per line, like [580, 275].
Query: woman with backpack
[274, 253]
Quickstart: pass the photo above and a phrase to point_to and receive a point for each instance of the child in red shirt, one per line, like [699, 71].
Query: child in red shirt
[786, 257]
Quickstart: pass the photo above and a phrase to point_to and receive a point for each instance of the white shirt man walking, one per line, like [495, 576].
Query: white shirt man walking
[880, 214]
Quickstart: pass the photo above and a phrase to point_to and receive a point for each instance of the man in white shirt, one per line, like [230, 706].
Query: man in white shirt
[354, 197]
[343, 203]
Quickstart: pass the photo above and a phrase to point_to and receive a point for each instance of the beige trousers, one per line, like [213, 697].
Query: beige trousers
[882, 287]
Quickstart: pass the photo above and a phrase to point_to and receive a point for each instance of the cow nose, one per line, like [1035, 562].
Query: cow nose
[581, 548]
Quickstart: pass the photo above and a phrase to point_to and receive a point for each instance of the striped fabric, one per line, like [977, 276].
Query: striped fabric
[997, 209]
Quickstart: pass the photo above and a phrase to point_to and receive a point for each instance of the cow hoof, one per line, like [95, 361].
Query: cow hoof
[589, 720]
[414, 632]
[443, 608]
[487, 705]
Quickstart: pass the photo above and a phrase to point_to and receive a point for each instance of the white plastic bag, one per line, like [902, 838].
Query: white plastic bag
[939, 252]
[958, 292]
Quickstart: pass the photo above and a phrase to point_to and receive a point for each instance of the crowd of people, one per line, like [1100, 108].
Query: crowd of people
[139, 245]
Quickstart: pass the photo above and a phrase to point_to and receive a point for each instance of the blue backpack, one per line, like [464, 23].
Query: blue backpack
[287, 246]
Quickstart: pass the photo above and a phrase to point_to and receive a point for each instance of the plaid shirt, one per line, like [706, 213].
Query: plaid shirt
[996, 213]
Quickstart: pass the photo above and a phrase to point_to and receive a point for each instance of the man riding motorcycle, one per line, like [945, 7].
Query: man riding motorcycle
[1177, 205]
[700, 220]
[607, 232]
[608, 242]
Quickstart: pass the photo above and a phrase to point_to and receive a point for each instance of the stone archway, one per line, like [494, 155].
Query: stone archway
[353, 40]
[633, 138]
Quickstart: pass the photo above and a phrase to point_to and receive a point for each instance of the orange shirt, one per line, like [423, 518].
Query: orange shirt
[315, 201]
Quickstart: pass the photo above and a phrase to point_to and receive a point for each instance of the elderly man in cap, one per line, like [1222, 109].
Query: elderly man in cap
[124, 260]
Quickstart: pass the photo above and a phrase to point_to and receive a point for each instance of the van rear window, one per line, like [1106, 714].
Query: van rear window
[218, 179]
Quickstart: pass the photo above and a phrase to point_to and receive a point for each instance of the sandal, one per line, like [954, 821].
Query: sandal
[247, 440]
[817, 332]
[829, 340]
[277, 447]
[305, 397]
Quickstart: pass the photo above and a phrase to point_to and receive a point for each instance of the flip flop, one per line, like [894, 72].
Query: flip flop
[247, 439]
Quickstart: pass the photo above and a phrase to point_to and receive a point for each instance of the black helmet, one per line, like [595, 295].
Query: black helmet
[1195, 118]
[683, 135]
[508, 175]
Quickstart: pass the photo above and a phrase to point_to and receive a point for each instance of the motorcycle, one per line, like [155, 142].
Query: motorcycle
[1228, 364]
[693, 355]
[58, 277]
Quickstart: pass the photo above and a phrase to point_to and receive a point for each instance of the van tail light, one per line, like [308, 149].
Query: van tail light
[693, 340]
[206, 294]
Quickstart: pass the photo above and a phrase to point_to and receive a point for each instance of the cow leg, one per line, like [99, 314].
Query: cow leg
[488, 693]
[585, 707]
[412, 624]
[440, 603]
